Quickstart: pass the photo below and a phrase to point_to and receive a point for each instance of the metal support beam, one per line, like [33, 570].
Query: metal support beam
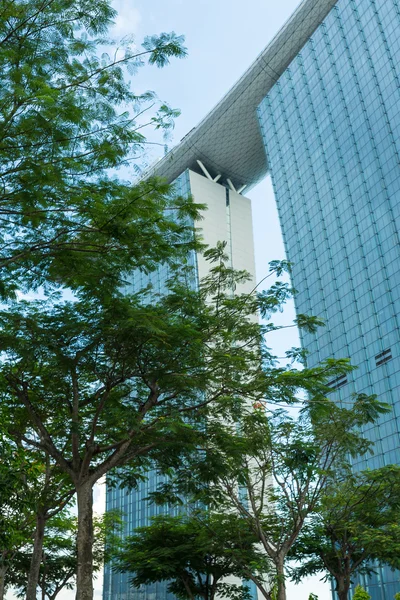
[232, 187]
[229, 182]
[206, 173]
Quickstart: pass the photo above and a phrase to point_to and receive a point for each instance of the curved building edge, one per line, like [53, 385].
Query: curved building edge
[228, 140]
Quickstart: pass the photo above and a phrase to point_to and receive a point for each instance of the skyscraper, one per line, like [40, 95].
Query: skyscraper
[227, 218]
[331, 127]
[319, 110]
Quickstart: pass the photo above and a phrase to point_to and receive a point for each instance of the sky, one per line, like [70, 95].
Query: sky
[223, 38]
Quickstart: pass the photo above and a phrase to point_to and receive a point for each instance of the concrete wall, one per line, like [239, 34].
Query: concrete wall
[227, 218]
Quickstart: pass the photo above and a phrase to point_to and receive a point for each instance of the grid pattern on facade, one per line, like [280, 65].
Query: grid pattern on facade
[331, 128]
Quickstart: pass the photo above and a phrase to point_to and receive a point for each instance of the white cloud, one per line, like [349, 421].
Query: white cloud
[128, 19]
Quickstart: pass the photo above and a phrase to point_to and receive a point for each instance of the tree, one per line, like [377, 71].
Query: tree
[105, 383]
[272, 469]
[361, 594]
[51, 494]
[356, 524]
[59, 556]
[195, 553]
[34, 490]
[68, 120]
[97, 383]
[57, 560]
[16, 514]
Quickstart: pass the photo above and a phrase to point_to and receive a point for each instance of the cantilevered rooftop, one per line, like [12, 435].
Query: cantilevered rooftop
[228, 142]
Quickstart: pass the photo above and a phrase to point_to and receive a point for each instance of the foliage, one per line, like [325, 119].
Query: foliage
[361, 594]
[72, 228]
[355, 525]
[114, 367]
[32, 491]
[95, 385]
[68, 120]
[59, 555]
[58, 563]
[16, 513]
[276, 460]
[194, 553]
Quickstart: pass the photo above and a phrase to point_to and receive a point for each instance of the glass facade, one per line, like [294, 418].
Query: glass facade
[132, 504]
[331, 129]
[157, 279]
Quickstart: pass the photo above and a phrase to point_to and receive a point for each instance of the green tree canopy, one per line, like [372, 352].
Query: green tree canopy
[356, 525]
[195, 554]
[361, 594]
[95, 385]
[272, 469]
[17, 515]
[33, 489]
[58, 563]
[68, 120]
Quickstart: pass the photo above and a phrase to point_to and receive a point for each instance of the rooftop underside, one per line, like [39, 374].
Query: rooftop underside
[228, 140]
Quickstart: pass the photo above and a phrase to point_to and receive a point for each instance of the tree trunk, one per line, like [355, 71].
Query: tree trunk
[342, 588]
[36, 560]
[3, 571]
[280, 571]
[187, 587]
[84, 575]
[42, 580]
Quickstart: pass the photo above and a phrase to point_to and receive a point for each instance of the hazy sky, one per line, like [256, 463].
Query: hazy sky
[223, 38]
